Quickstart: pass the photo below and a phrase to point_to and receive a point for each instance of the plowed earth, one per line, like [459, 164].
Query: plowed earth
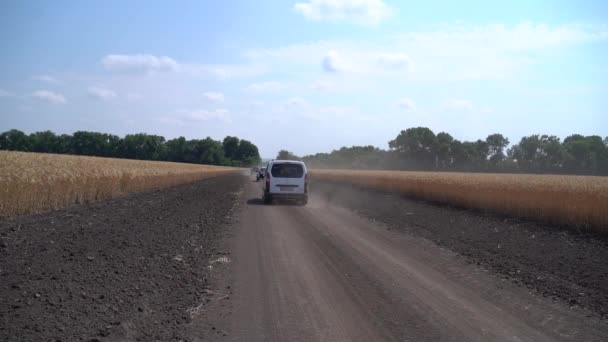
[133, 268]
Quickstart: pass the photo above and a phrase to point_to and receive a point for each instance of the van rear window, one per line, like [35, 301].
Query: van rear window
[287, 171]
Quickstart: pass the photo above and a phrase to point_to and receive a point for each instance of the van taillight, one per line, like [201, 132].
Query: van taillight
[267, 177]
[306, 183]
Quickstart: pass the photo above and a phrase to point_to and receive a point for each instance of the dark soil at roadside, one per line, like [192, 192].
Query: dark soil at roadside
[134, 268]
[557, 263]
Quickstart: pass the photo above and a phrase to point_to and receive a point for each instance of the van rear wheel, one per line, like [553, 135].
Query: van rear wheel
[267, 199]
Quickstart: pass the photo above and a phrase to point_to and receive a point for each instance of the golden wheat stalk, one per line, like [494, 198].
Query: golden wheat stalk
[32, 182]
[572, 200]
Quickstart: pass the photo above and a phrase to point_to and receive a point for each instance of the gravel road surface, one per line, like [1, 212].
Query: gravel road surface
[323, 273]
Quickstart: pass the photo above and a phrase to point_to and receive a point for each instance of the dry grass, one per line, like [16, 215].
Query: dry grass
[572, 200]
[32, 182]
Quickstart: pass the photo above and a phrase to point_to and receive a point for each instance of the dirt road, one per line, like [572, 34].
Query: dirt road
[322, 273]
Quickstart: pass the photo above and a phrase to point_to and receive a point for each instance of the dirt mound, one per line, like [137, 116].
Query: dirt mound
[134, 268]
[556, 262]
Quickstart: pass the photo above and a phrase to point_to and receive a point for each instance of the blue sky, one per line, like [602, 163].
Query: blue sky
[305, 75]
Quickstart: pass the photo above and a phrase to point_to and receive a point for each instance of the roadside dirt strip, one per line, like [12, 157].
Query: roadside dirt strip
[323, 273]
[130, 269]
[562, 264]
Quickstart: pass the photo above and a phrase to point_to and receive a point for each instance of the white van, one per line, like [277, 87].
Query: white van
[285, 179]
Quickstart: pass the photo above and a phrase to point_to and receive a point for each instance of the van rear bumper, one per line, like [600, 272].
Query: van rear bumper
[288, 197]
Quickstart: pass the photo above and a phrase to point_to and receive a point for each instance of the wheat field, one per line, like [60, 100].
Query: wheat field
[32, 182]
[570, 200]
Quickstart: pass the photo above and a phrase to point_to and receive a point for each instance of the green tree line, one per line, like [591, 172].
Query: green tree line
[232, 151]
[419, 148]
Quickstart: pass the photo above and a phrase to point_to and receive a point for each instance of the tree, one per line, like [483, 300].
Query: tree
[550, 154]
[64, 144]
[209, 151]
[458, 155]
[112, 145]
[143, 146]
[354, 157]
[417, 145]
[482, 151]
[231, 147]
[603, 164]
[286, 155]
[585, 154]
[248, 153]
[414, 148]
[94, 144]
[444, 150]
[473, 151]
[176, 149]
[46, 142]
[134, 146]
[525, 153]
[14, 140]
[496, 144]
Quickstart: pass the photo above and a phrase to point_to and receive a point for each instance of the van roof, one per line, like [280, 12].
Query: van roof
[286, 161]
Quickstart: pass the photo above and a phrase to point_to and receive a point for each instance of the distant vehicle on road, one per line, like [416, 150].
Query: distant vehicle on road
[287, 180]
[255, 170]
[260, 174]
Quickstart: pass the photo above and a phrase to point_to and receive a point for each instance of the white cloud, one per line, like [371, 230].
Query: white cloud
[224, 72]
[134, 96]
[490, 52]
[369, 12]
[447, 53]
[332, 113]
[458, 104]
[297, 107]
[46, 79]
[333, 62]
[266, 86]
[169, 121]
[4, 93]
[337, 111]
[332, 56]
[101, 93]
[49, 96]
[395, 60]
[206, 115]
[406, 104]
[321, 86]
[220, 73]
[296, 102]
[523, 36]
[214, 96]
[139, 63]
[187, 117]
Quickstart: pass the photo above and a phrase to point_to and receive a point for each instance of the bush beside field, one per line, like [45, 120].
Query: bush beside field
[32, 182]
[571, 200]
